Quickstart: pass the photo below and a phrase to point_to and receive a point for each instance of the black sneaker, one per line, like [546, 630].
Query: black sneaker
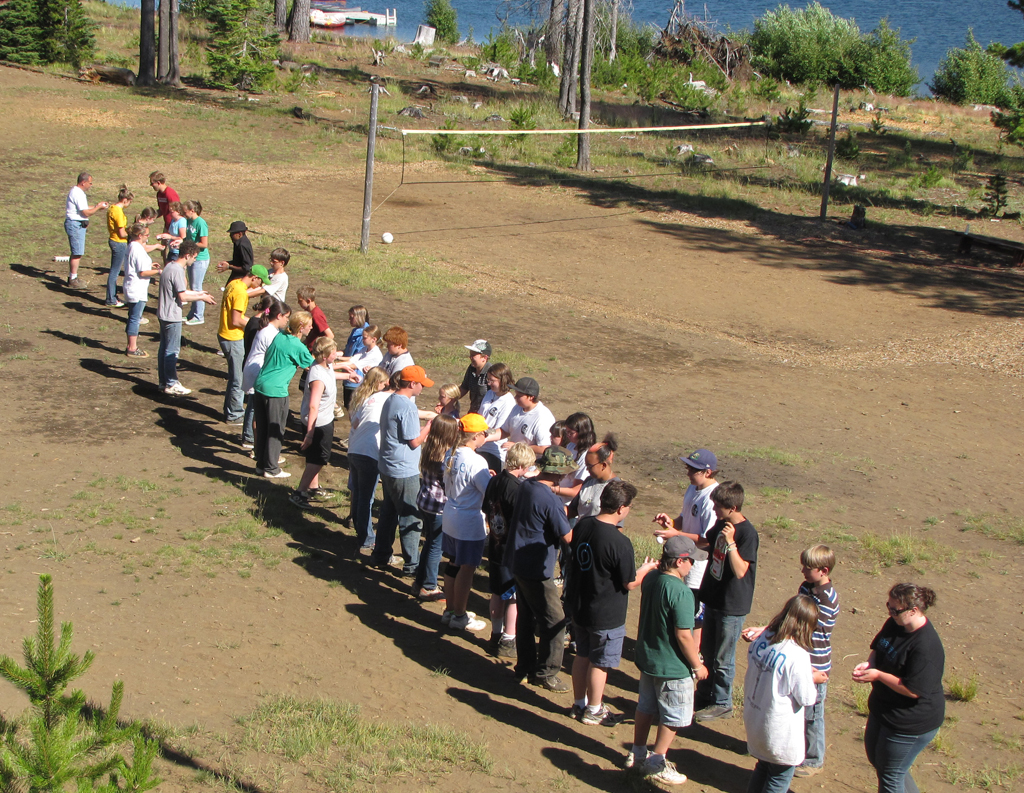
[507, 648]
[553, 683]
[713, 712]
[299, 500]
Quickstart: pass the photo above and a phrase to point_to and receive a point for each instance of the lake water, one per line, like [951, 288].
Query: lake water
[937, 25]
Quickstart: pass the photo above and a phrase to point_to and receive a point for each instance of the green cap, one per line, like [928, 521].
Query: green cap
[261, 271]
[557, 460]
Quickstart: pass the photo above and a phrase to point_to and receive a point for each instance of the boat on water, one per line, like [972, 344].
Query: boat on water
[336, 15]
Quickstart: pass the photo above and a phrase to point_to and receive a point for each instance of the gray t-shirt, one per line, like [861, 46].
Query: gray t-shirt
[172, 281]
[399, 424]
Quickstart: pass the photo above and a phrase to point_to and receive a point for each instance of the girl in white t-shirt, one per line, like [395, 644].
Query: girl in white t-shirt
[138, 269]
[356, 366]
[465, 481]
[577, 436]
[320, 395]
[778, 686]
[495, 407]
[363, 450]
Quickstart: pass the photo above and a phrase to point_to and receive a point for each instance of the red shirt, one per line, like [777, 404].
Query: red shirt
[162, 200]
[319, 326]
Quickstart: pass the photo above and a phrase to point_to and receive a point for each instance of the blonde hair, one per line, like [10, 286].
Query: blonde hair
[519, 455]
[323, 347]
[371, 384]
[299, 318]
[450, 391]
[796, 621]
[374, 331]
[443, 435]
[819, 557]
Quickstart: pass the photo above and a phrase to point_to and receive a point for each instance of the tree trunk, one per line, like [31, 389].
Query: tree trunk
[147, 43]
[583, 141]
[615, 30]
[571, 57]
[281, 14]
[163, 41]
[173, 61]
[554, 33]
[298, 22]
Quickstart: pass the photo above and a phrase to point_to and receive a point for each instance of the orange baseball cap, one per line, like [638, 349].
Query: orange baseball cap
[473, 422]
[416, 374]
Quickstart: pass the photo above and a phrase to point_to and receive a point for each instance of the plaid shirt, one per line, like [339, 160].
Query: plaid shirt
[431, 497]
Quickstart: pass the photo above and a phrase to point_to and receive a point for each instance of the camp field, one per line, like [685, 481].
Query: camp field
[866, 396]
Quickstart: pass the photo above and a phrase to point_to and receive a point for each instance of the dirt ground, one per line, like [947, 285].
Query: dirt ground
[858, 398]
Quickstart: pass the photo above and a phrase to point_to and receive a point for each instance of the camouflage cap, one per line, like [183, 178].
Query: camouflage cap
[557, 460]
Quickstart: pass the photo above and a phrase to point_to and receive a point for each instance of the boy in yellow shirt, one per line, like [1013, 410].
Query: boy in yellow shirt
[231, 334]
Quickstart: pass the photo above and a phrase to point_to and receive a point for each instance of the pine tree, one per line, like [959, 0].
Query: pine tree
[67, 33]
[65, 744]
[244, 43]
[20, 34]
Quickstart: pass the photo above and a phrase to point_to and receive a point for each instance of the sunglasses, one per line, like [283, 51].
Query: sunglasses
[896, 612]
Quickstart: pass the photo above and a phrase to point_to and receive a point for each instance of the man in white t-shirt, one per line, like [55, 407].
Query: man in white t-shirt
[530, 421]
[695, 520]
[76, 219]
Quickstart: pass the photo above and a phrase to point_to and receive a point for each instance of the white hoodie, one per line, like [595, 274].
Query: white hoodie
[777, 688]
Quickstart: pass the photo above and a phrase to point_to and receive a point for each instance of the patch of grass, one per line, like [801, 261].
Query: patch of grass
[457, 357]
[905, 549]
[349, 748]
[941, 744]
[859, 699]
[1013, 742]
[771, 454]
[985, 778]
[998, 528]
[391, 272]
[778, 525]
[775, 495]
[962, 689]
[645, 546]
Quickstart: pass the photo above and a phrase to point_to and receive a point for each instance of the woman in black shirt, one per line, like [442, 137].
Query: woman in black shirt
[907, 705]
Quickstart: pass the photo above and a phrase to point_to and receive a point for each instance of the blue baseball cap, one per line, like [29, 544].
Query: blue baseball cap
[701, 460]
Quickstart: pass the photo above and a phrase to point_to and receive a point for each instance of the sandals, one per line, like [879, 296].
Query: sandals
[136, 353]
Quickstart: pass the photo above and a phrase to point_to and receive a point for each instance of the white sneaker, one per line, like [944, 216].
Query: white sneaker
[634, 761]
[177, 389]
[194, 321]
[467, 622]
[247, 447]
[143, 321]
[664, 774]
[278, 475]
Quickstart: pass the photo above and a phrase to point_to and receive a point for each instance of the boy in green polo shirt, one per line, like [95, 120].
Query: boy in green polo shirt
[668, 659]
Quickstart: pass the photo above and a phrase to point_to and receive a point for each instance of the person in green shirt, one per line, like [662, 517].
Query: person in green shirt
[284, 357]
[668, 659]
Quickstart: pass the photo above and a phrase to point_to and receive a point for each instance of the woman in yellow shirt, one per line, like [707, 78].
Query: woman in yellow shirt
[118, 242]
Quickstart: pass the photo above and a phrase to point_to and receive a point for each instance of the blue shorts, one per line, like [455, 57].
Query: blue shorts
[76, 236]
[463, 552]
[671, 701]
[601, 648]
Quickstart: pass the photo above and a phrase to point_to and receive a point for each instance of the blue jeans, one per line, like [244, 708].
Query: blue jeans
[363, 482]
[234, 353]
[196, 274]
[398, 511]
[247, 401]
[770, 778]
[167, 358]
[134, 315]
[430, 554]
[892, 754]
[814, 729]
[76, 236]
[718, 646]
[118, 253]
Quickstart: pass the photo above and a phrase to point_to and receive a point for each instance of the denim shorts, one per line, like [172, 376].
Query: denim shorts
[76, 236]
[601, 648]
[463, 552]
[670, 700]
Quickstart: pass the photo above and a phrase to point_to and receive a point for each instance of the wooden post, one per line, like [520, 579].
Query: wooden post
[371, 144]
[831, 154]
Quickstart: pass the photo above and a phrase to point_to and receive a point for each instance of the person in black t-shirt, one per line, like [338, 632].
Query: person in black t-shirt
[474, 382]
[241, 252]
[601, 576]
[907, 704]
[727, 592]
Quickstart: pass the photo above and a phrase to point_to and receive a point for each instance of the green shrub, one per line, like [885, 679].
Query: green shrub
[995, 195]
[767, 89]
[813, 46]
[502, 49]
[794, 121]
[971, 75]
[962, 689]
[847, 148]
[442, 17]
